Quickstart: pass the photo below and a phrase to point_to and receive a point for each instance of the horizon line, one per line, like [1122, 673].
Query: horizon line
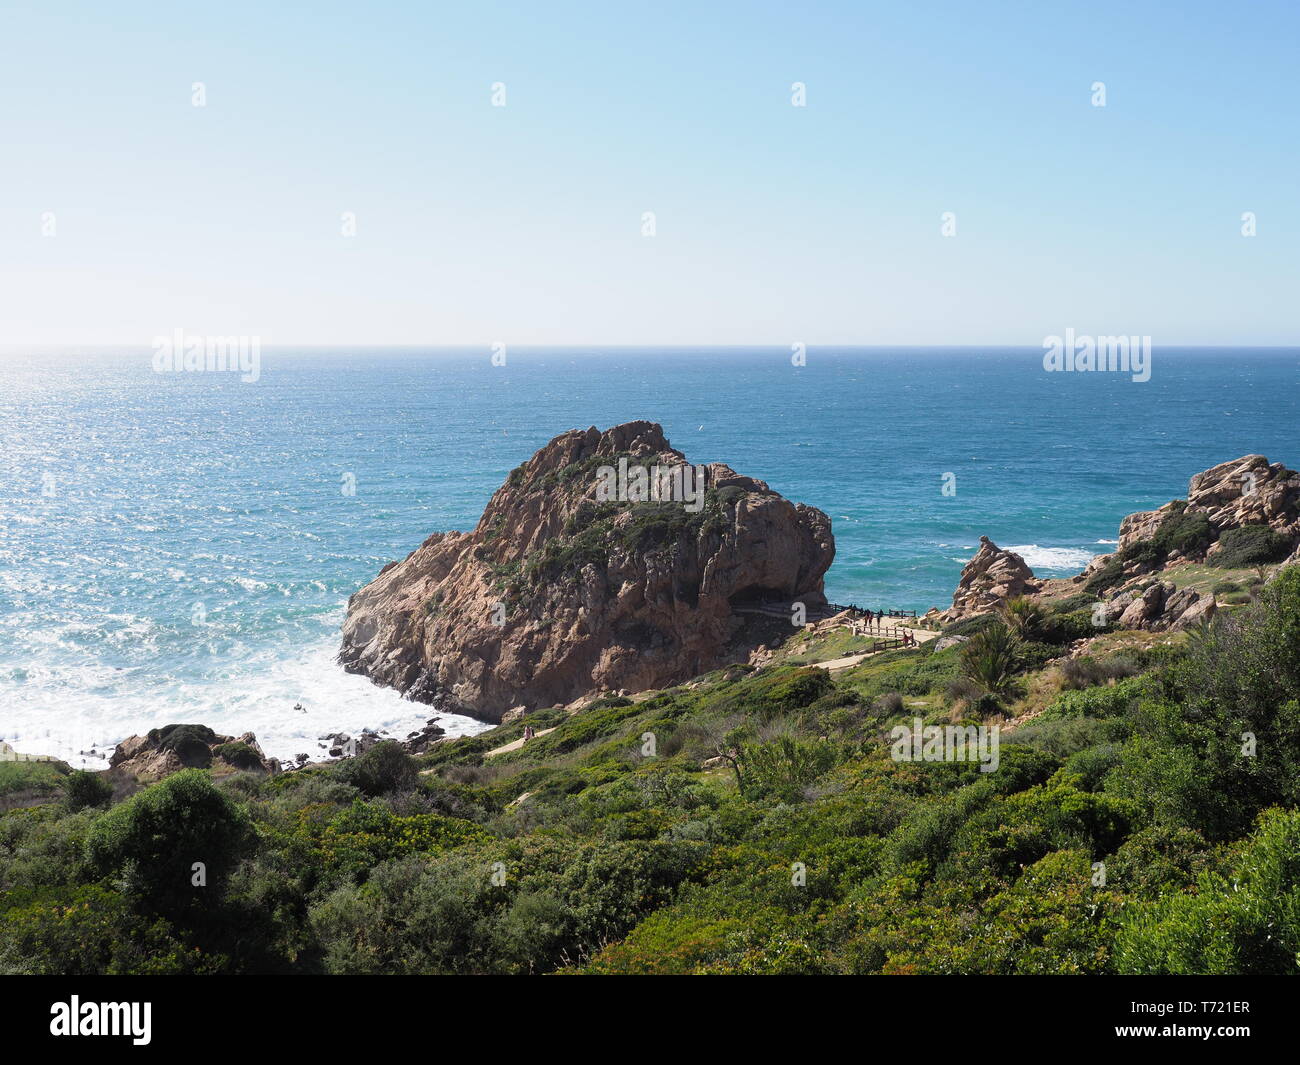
[587, 346]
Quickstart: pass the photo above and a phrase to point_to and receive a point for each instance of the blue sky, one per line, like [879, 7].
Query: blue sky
[774, 224]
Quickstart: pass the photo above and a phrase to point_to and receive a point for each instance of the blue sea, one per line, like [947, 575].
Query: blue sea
[180, 546]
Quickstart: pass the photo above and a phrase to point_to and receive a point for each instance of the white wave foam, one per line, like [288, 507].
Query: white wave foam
[1070, 559]
[96, 709]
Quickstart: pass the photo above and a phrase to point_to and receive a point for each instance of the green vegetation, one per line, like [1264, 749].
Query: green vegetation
[82, 789]
[1144, 819]
[990, 658]
[36, 778]
[1250, 545]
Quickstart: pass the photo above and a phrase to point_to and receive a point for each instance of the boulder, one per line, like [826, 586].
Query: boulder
[560, 591]
[993, 576]
[175, 747]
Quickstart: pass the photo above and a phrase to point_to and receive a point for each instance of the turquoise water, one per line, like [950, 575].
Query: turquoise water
[180, 546]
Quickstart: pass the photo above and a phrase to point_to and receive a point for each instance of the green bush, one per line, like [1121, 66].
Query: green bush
[383, 769]
[784, 766]
[991, 657]
[192, 743]
[82, 789]
[1102, 701]
[88, 930]
[155, 838]
[1246, 924]
[40, 778]
[1250, 545]
[239, 755]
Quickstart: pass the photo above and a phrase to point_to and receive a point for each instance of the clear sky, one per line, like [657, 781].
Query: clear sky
[774, 223]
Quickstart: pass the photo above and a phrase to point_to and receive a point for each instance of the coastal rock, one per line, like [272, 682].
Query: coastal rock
[419, 742]
[993, 576]
[175, 747]
[1163, 607]
[559, 591]
[1245, 491]
[1248, 491]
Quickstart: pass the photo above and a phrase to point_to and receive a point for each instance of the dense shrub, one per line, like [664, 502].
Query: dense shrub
[1106, 700]
[991, 658]
[1246, 923]
[784, 766]
[155, 838]
[239, 755]
[82, 789]
[1250, 545]
[191, 743]
[87, 930]
[385, 768]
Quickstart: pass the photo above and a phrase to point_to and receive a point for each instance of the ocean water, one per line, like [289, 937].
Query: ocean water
[180, 547]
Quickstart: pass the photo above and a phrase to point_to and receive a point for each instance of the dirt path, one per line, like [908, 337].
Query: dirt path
[848, 661]
[515, 745]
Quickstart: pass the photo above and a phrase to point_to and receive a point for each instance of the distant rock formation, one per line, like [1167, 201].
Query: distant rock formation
[1250, 494]
[1246, 493]
[989, 579]
[175, 747]
[559, 591]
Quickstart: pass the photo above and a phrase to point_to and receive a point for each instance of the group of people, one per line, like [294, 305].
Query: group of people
[529, 733]
[876, 616]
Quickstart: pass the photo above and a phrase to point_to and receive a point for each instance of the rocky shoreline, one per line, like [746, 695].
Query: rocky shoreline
[1239, 514]
[613, 601]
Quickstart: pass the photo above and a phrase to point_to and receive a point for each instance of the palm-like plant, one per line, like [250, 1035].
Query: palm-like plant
[1024, 617]
[990, 657]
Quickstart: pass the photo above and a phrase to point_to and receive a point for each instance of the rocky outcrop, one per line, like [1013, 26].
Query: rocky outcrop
[1246, 491]
[993, 576]
[560, 591]
[1159, 607]
[175, 747]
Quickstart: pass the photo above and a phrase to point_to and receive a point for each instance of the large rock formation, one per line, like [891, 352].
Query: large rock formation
[993, 576]
[559, 591]
[1247, 493]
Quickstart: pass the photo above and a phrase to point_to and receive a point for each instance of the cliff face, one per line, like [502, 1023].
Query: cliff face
[560, 591]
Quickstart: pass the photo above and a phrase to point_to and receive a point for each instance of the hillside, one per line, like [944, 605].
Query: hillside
[1085, 795]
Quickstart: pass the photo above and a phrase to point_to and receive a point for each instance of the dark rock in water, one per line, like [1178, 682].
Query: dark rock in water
[419, 742]
[561, 591]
